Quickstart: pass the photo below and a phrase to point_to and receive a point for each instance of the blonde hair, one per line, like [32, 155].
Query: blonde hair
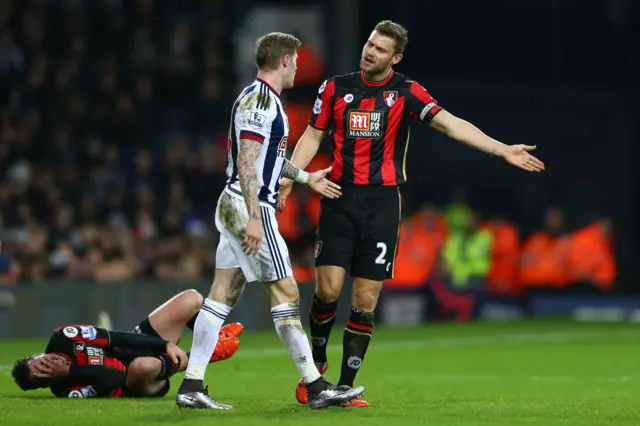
[270, 48]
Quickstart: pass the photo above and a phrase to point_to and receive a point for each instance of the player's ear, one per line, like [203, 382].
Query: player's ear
[396, 58]
[286, 59]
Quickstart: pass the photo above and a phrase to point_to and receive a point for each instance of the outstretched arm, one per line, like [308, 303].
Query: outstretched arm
[467, 133]
[308, 144]
[315, 180]
[307, 147]
[303, 153]
[425, 108]
[319, 124]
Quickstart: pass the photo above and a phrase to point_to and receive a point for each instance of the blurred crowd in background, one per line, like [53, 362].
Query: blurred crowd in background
[112, 157]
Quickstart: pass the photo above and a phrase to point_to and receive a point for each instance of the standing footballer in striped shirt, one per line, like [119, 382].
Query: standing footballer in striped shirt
[368, 114]
[251, 248]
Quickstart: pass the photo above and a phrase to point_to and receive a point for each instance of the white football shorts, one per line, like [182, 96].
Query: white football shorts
[271, 263]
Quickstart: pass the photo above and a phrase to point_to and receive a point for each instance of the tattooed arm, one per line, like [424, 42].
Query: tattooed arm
[292, 172]
[248, 175]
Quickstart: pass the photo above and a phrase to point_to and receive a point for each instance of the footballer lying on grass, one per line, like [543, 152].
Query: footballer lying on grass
[83, 361]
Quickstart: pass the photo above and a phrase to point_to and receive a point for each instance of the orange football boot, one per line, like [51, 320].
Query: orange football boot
[232, 330]
[356, 402]
[301, 389]
[226, 347]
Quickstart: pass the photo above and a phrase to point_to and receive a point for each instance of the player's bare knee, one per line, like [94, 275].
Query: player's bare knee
[328, 293]
[328, 288]
[365, 301]
[365, 294]
[145, 367]
[193, 299]
[141, 371]
[329, 284]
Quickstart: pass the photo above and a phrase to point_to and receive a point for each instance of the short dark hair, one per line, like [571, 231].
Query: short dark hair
[395, 31]
[21, 374]
[273, 46]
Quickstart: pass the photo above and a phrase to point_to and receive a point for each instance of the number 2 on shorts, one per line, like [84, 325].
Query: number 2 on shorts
[380, 260]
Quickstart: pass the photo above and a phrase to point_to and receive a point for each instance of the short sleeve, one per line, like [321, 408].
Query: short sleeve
[258, 111]
[420, 104]
[322, 110]
[82, 333]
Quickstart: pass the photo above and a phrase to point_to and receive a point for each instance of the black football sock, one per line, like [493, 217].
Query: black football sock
[192, 321]
[317, 385]
[355, 342]
[190, 385]
[322, 316]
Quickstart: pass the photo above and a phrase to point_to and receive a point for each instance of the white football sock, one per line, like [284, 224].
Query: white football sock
[286, 318]
[205, 337]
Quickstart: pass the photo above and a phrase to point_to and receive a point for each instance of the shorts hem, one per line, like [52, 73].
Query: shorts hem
[369, 277]
[318, 264]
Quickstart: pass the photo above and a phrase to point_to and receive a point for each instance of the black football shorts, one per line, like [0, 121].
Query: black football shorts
[359, 231]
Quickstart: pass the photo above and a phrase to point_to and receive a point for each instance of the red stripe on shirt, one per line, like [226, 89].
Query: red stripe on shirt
[362, 151]
[337, 163]
[388, 169]
[321, 121]
[423, 96]
[248, 134]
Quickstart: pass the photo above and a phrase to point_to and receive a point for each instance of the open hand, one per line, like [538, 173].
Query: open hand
[518, 155]
[322, 185]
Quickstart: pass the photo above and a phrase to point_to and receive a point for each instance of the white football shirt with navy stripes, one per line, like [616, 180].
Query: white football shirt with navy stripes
[258, 115]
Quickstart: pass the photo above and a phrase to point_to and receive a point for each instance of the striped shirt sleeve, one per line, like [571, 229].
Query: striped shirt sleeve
[421, 104]
[259, 109]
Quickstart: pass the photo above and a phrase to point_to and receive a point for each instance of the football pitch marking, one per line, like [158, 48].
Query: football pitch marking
[452, 342]
[462, 342]
[497, 377]
[454, 377]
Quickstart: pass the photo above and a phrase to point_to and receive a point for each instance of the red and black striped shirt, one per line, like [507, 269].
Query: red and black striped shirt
[369, 123]
[98, 358]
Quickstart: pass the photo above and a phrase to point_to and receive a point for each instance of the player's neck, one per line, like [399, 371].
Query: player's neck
[272, 79]
[374, 78]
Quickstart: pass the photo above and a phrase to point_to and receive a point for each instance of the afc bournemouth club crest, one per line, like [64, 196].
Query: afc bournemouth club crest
[390, 97]
[318, 248]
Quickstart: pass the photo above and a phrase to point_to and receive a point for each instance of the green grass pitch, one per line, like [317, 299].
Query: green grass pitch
[530, 373]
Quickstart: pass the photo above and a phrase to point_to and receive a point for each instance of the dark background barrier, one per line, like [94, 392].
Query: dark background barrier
[33, 311]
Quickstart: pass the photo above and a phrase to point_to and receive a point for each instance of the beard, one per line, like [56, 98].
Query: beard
[373, 68]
